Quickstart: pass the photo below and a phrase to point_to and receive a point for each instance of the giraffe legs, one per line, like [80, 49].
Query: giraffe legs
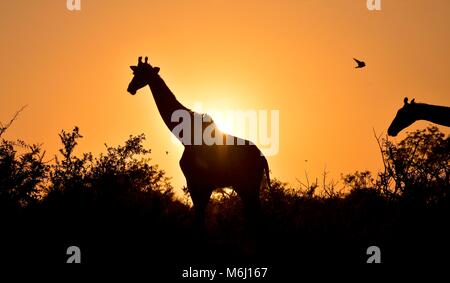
[252, 205]
[200, 197]
[253, 214]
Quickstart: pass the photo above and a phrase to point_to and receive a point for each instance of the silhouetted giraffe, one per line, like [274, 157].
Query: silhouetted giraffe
[411, 112]
[207, 167]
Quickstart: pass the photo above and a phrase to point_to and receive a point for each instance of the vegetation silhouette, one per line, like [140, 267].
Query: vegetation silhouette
[119, 208]
[412, 112]
[231, 162]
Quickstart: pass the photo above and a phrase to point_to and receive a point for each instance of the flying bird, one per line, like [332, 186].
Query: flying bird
[361, 64]
[167, 152]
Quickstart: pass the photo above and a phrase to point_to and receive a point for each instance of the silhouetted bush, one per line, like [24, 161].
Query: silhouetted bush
[415, 170]
[22, 174]
[418, 166]
[119, 199]
[110, 178]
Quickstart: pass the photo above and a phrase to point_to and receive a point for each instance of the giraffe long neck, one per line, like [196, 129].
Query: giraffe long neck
[166, 101]
[433, 113]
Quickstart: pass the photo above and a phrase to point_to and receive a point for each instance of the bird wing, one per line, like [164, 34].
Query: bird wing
[357, 61]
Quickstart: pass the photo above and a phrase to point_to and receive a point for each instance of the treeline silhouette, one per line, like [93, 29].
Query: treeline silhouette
[118, 207]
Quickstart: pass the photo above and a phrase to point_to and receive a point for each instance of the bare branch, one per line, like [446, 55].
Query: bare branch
[3, 128]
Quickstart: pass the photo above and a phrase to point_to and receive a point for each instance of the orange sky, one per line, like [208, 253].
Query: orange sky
[71, 68]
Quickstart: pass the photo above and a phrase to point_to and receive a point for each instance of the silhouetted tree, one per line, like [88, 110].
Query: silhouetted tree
[417, 168]
[22, 174]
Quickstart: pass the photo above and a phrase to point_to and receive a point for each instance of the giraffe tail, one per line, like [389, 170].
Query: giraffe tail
[266, 170]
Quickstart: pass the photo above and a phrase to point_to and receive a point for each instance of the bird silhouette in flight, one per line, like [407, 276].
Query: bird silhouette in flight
[167, 152]
[361, 64]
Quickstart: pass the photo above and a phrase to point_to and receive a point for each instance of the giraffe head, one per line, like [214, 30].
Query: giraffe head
[405, 117]
[143, 74]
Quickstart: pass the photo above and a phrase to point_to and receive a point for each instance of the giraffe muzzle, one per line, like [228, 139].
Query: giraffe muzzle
[392, 133]
[131, 91]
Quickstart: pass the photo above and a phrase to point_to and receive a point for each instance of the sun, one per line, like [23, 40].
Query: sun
[225, 125]
[222, 115]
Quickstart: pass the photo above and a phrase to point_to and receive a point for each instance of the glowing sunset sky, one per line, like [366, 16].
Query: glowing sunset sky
[71, 68]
